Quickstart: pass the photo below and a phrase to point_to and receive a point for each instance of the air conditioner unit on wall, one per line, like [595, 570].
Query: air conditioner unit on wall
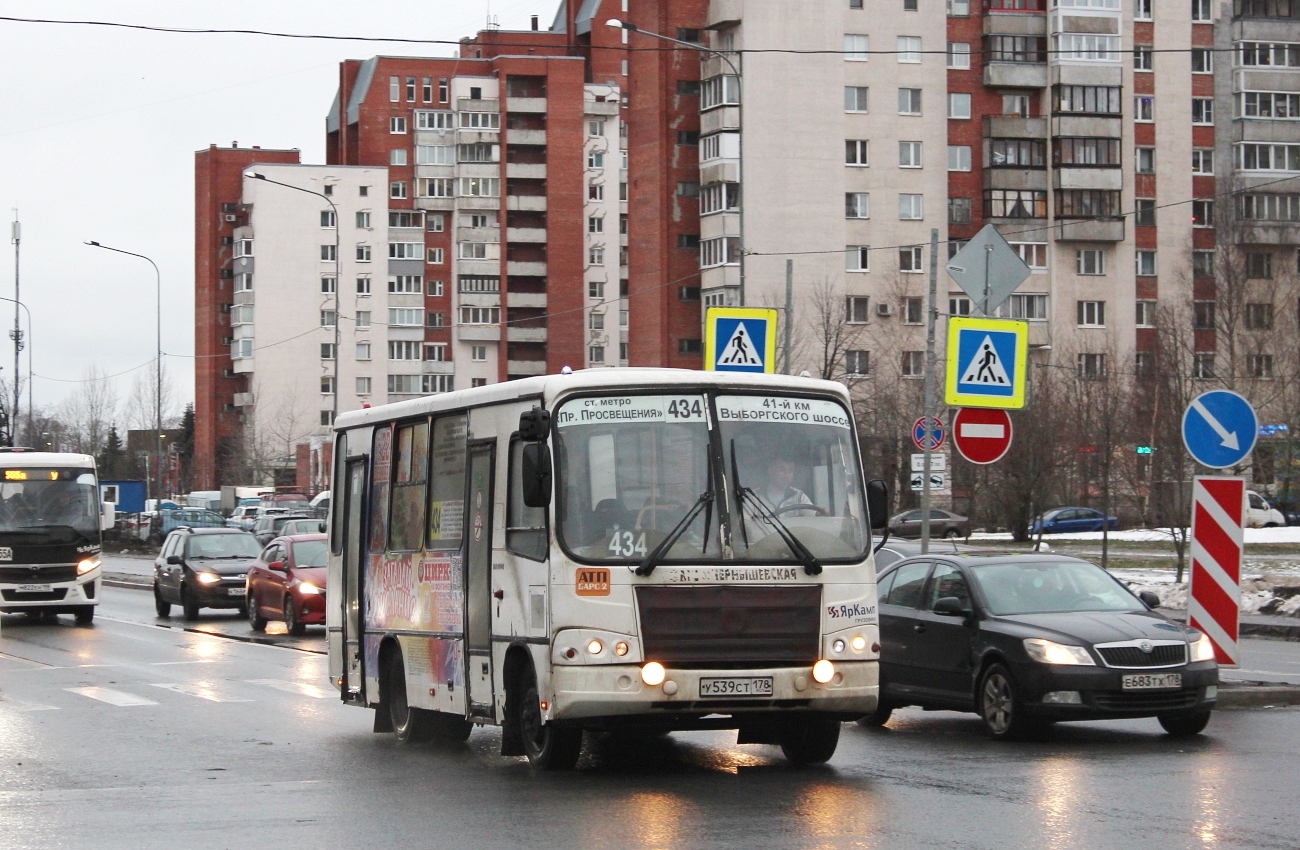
[232, 218]
[885, 310]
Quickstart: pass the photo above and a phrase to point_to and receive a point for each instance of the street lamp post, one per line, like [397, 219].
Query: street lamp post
[338, 278]
[157, 390]
[740, 120]
[13, 426]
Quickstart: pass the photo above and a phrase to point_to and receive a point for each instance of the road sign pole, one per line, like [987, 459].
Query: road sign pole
[988, 294]
[930, 316]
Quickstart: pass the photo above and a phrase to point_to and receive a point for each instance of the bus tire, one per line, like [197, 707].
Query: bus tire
[410, 725]
[810, 740]
[448, 729]
[547, 746]
[85, 615]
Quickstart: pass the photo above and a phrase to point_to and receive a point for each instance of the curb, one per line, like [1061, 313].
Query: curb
[1256, 695]
[128, 581]
[1278, 631]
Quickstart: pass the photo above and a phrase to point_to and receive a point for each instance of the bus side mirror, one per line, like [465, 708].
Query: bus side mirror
[535, 426]
[535, 474]
[878, 503]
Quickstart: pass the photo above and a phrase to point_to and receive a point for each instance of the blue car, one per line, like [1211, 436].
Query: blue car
[1068, 520]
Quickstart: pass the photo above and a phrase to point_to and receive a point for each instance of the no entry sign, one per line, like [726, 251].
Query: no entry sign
[1218, 506]
[982, 435]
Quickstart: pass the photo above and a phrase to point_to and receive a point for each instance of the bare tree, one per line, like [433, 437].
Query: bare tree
[141, 404]
[89, 412]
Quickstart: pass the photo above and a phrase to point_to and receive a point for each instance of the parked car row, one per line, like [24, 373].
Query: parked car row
[281, 579]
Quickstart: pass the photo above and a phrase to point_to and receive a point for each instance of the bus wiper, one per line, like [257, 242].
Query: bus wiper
[648, 564]
[811, 566]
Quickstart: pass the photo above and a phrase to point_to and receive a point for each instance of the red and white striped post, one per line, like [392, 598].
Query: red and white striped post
[1214, 596]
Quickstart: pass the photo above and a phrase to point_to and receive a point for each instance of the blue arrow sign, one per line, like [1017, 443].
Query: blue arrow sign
[1219, 428]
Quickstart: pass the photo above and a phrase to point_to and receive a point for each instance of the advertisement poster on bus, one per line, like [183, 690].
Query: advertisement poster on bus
[416, 592]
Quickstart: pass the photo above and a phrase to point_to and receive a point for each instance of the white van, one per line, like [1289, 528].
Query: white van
[1260, 514]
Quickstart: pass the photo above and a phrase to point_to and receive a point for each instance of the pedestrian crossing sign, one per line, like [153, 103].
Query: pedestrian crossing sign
[986, 363]
[739, 339]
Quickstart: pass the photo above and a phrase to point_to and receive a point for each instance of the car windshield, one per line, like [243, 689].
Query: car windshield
[310, 553]
[1037, 587]
[212, 546]
[49, 499]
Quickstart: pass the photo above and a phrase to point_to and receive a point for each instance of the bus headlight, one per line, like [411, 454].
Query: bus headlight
[208, 578]
[620, 648]
[823, 671]
[87, 565]
[858, 643]
[595, 647]
[653, 673]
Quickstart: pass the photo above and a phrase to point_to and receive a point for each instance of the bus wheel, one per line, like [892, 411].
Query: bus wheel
[809, 740]
[448, 729]
[548, 747]
[86, 615]
[410, 725]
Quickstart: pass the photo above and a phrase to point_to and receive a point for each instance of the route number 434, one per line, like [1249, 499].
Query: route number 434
[625, 544]
[686, 408]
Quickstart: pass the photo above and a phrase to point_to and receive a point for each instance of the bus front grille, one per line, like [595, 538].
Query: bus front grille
[730, 626]
[38, 574]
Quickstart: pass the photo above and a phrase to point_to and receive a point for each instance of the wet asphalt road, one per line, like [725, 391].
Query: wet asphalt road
[131, 735]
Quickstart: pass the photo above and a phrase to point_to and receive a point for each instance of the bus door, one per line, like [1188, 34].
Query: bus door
[353, 503]
[478, 578]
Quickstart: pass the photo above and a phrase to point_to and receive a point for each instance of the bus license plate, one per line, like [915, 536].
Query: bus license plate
[737, 686]
[6, 553]
[33, 588]
[1147, 681]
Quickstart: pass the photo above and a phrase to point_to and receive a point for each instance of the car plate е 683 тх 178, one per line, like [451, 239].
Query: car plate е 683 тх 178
[737, 686]
[1148, 681]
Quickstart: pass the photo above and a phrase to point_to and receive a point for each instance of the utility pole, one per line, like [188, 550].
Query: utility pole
[789, 315]
[931, 315]
[17, 333]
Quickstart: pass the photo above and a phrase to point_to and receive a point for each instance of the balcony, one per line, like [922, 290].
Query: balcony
[525, 104]
[530, 269]
[528, 170]
[1261, 233]
[525, 137]
[482, 104]
[1064, 177]
[478, 333]
[1014, 127]
[526, 335]
[525, 234]
[724, 13]
[1090, 230]
[478, 234]
[439, 367]
[600, 107]
[1018, 75]
[466, 202]
[528, 300]
[719, 119]
[526, 203]
[720, 171]
[526, 367]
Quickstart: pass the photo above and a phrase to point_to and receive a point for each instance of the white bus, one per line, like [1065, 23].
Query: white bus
[610, 549]
[51, 519]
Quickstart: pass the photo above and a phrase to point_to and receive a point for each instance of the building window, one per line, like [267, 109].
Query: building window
[1015, 105]
[1141, 10]
[480, 120]
[595, 192]
[717, 197]
[1015, 203]
[1202, 264]
[328, 253]
[1201, 11]
[397, 156]
[719, 91]
[436, 352]
[596, 353]
[958, 55]
[1017, 153]
[857, 309]
[480, 187]
[326, 387]
[1090, 261]
[405, 317]
[403, 350]
[909, 101]
[1086, 100]
[327, 285]
[1088, 203]
[686, 293]
[476, 152]
[1146, 161]
[596, 256]
[855, 48]
[1144, 212]
[959, 210]
[913, 310]
[1087, 151]
[397, 125]
[857, 152]
[958, 8]
[1091, 366]
[1203, 160]
[363, 253]
[1145, 316]
[686, 189]
[1086, 47]
[363, 386]
[855, 98]
[1265, 157]
[479, 283]
[724, 250]
[363, 351]
[1091, 314]
[857, 258]
[959, 305]
[1202, 60]
[1202, 213]
[1142, 57]
[857, 362]
[909, 49]
[1253, 54]
[480, 315]
[433, 320]
[1203, 315]
[327, 351]
[243, 282]
[958, 157]
[397, 189]
[435, 154]
[472, 250]
[363, 286]
[394, 89]
[362, 319]
[1260, 366]
[1029, 307]
[436, 187]
[327, 218]
[909, 207]
[913, 364]
[1144, 109]
[958, 105]
[1259, 265]
[1203, 366]
[857, 205]
[243, 248]
[595, 224]
[1269, 207]
[689, 346]
[434, 256]
[1034, 254]
[909, 154]
[910, 261]
[1259, 316]
[1203, 110]
[690, 241]
[1015, 48]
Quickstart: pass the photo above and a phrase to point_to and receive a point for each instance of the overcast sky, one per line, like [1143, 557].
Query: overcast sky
[98, 139]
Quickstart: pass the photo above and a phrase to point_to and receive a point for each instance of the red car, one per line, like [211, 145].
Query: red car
[287, 582]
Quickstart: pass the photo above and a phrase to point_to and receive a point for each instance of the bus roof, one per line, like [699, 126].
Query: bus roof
[26, 459]
[548, 387]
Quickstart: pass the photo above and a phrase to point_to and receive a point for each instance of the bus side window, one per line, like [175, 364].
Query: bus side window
[381, 470]
[339, 459]
[411, 464]
[447, 482]
[525, 526]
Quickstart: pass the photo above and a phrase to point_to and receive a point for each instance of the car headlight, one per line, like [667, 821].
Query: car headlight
[87, 565]
[308, 588]
[1051, 652]
[208, 578]
[1202, 649]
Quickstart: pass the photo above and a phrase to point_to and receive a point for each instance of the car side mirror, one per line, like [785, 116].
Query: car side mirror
[1149, 598]
[951, 606]
[278, 566]
[174, 560]
[535, 475]
[878, 503]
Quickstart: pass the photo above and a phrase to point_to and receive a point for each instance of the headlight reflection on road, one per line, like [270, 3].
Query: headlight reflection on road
[656, 820]
[1059, 801]
[830, 814]
[1210, 787]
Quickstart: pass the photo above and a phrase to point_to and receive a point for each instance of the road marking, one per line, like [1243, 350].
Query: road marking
[168, 663]
[198, 689]
[20, 705]
[110, 696]
[293, 688]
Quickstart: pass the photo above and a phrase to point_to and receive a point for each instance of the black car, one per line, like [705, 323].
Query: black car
[203, 568]
[1027, 640]
[896, 549]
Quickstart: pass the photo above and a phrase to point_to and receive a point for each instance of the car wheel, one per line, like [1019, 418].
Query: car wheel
[1184, 725]
[410, 725]
[189, 605]
[1000, 706]
[85, 615]
[809, 740]
[255, 620]
[291, 621]
[548, 747]
[952, 534]
[160, 606]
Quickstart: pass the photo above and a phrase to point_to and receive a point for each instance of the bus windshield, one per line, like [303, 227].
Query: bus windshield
[631, 468]
[58, 502]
